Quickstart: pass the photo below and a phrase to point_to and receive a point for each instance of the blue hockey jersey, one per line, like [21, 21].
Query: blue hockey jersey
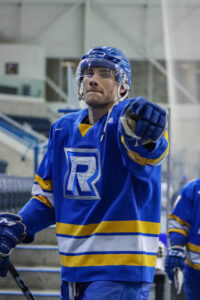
[184, 225]
[103, 197]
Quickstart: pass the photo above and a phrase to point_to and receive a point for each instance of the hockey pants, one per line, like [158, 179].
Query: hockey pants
[104, 290]
[191, 287]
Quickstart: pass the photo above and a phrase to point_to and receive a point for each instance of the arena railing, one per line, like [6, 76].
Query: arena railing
[26, 136]
[15, 85]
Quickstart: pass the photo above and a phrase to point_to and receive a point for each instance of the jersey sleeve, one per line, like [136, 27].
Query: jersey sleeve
[39, 212]
[180, 217]
[143, 155]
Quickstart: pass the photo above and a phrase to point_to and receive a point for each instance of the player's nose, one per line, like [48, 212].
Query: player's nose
[93, 81]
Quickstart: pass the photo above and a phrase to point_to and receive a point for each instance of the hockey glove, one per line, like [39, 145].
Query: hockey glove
[12, 231]
[174, 259]
[143, 121]
[4, 265]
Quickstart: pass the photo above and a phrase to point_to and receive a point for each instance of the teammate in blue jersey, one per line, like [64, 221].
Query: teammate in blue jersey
[184, 234]
[100, 183]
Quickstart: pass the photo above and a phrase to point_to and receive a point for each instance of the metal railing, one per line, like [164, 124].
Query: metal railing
[26, 136]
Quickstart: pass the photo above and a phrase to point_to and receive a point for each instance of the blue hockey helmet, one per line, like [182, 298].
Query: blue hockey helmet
[108, 57]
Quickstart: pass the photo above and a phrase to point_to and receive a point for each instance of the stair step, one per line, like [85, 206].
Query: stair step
[18, 295]
[39, 267]
[40, 278]
[35, 255]
[37, 247]
[46, 236]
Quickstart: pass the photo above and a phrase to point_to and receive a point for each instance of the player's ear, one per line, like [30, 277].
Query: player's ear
[122, 90]
[80, 91]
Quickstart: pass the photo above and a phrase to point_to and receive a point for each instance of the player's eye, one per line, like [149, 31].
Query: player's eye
[88, 73]
[105, 74]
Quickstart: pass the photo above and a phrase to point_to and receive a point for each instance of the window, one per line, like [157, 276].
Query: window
[11, 68]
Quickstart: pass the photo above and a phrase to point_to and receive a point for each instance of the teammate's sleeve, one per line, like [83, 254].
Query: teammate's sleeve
[39, 212]
[180, 217]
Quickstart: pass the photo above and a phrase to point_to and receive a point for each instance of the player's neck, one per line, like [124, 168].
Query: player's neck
[96, 113]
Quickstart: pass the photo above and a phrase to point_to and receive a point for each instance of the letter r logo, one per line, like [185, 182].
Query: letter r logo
[83, 172]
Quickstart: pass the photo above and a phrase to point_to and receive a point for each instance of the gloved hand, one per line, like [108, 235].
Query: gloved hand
[144, 121]
[12, 230]
[174, 259]
[4, 265]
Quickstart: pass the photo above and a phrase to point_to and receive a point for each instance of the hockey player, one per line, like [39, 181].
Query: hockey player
[100, 183]
[184, 234]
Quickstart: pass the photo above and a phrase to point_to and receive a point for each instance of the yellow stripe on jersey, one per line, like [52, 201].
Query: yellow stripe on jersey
[180, 221]
[194, 266]
[44, 184]
[44, 200]
[193, 247]
[181, 231]
[84, 128]
[92, 260]
[143, 160]
[108, 227]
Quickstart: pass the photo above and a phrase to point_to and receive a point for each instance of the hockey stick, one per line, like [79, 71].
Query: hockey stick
[20, 283]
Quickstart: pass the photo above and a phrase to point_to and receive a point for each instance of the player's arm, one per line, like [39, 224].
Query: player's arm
[39, 213]
[179, 226]
[36, 215]
[181, 215]
[142, 129]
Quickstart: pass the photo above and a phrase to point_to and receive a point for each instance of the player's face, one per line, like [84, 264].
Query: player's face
[100, 88]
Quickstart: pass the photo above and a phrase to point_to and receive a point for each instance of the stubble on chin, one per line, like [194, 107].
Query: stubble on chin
[94, 100]
[95, 103]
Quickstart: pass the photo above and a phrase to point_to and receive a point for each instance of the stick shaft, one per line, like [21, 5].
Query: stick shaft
[27, 293]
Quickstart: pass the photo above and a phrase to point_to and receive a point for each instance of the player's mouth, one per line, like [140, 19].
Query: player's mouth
[94, 91]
